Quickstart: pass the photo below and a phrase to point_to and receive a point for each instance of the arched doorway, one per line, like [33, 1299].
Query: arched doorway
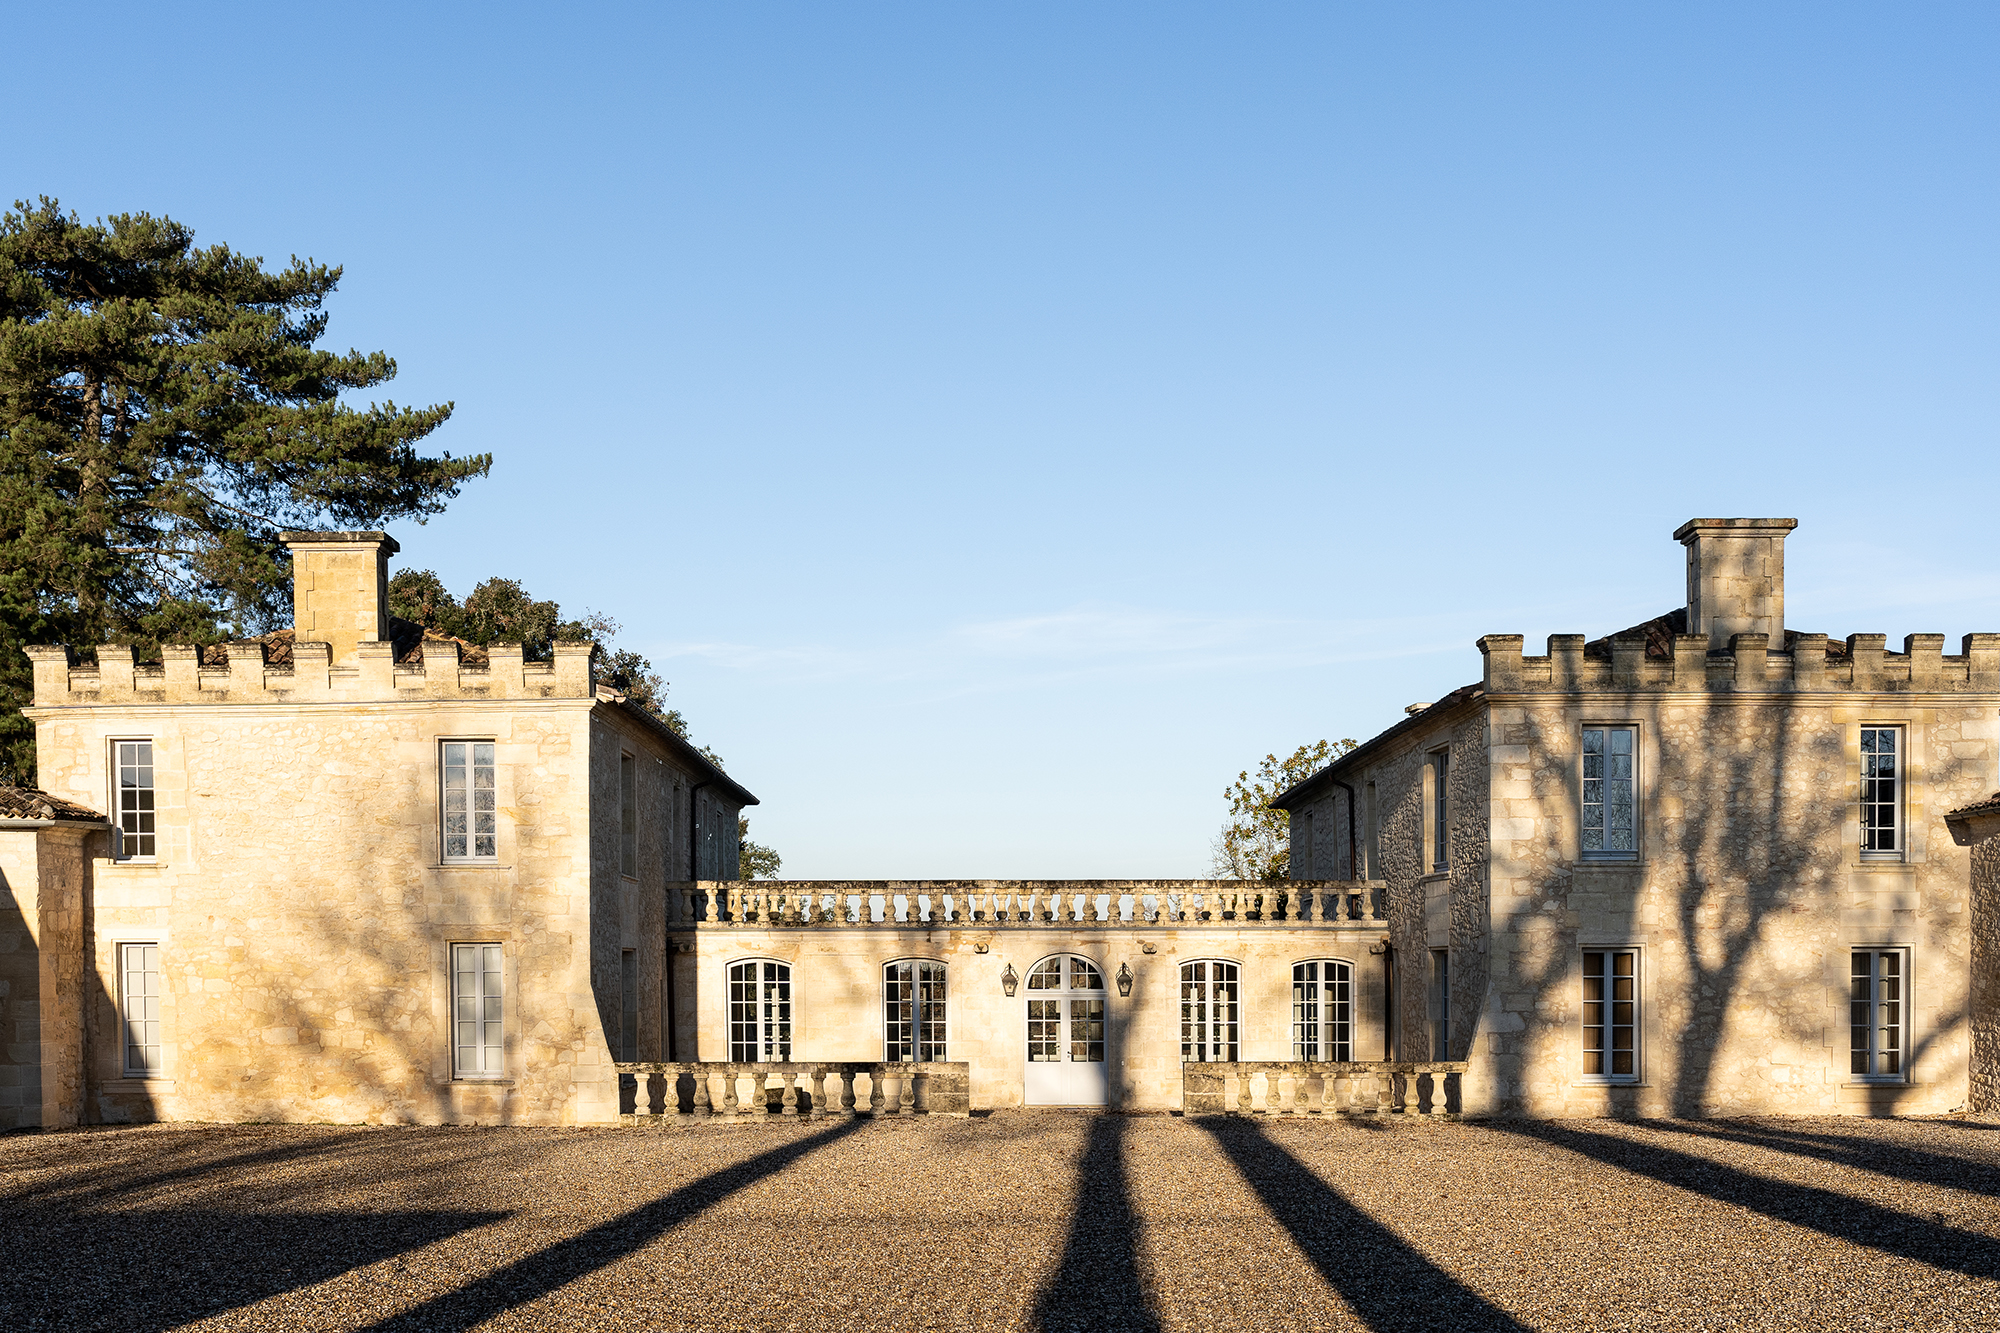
[1066, 1036]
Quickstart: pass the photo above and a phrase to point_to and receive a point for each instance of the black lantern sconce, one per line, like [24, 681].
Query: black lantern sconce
[1124, 979]
[1008, 981]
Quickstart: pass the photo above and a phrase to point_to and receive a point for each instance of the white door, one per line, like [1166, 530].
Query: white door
[1066, 1065]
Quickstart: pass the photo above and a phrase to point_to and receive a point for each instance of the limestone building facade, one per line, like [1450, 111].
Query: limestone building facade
[1699, 867]
[346, 873]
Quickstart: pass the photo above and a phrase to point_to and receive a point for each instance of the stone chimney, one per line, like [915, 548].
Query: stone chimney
[1736, 577]
[340, 587]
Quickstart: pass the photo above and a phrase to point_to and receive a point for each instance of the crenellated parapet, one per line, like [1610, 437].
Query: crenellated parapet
[244, 672]
[1684, 663]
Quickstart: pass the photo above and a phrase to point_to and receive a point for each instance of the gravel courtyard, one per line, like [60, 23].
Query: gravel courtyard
[1021, 1220]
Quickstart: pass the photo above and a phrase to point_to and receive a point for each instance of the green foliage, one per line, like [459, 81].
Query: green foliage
[1256, 842]
[753, 860]
[502, 611]
[164, 413]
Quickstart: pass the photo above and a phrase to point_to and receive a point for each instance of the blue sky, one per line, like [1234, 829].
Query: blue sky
[1004, 423]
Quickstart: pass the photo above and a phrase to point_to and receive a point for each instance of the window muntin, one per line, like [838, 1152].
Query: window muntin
[1878, 1014]
[1881, 791]
[1611, 1014]
[1610, 810]
[1439, 1006]
[628, 816]
[760, 1011]
[139, 1008]
[1322, 1010]
[913, 993]
[478, 1012]
[1209, 1010]
[132, 765]
[471, 813]
[1440, 821]
[1067, 1019]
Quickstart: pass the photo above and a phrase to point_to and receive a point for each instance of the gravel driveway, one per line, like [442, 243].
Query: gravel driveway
[1019, 1220]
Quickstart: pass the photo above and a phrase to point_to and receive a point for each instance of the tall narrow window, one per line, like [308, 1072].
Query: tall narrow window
[137, 837]
[139, 1008]
[1372, 846]
[1440, 1004]
[1322, 1010]
[1208, 1010]
[628, 995]
[478, 1014]
[760, 1011]
[628, 815]
[471, 816]
[913, 998]
[1440, 823]
[1610, 818]
[1881, 791]
[1611, 1014]
[1878, 1011]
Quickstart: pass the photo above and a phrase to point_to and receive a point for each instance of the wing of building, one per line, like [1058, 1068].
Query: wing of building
[1708, 865]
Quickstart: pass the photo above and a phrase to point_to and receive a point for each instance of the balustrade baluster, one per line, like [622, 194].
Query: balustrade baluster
[906, 1092]
[702, 1106]
[1277, 1093]
[818, 1089]
[790, 1100]
[729, 1102]
[1329, 1100]
[846, 1077]
[1243, 1089]
[875, 1079]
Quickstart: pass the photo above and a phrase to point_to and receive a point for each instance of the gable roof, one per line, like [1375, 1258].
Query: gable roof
[706, 771]
[1307, 788]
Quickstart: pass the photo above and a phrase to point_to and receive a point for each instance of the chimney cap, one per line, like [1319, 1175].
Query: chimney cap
[1737, 527]
[381, 539]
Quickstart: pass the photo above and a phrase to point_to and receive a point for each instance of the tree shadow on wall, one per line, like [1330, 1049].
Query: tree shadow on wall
[145, 1270]
[1388, 1283]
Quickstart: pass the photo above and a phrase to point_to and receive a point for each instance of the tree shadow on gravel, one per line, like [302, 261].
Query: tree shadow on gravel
[1387, 1282]
[1896, 1160]
[122, 1165]
[148, 1270]
[536, 1275]
[1098, 1285]
[1831, 1214]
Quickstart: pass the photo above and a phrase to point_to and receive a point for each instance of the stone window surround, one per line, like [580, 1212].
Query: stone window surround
[1905, 781]
[111, 772]
[1233, 1041]
[502, 800]
[1640, 760]
[119, 952]
[443, 1067]
[1436, 821]
[882, 999]
[789, 1029]
[1641, 1018]
[110, 939]
[1911, 1035]
[628, 815]
[507, 1019]
[1324, 983]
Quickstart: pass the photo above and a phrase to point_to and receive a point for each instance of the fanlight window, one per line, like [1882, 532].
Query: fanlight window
[1322, 1010]
[1208, 1010]
[1080, 987]
[913, 993]
[760, 1011]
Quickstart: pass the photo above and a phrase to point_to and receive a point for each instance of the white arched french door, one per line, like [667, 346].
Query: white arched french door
[1066, 1037]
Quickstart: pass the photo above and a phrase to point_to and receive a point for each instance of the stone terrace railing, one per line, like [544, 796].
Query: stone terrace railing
[1303, 1087]
[996, 903]
[664, 1090]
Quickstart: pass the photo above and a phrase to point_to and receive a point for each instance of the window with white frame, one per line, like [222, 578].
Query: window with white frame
[1878, 1014]
[139, 1008]
[471, 812]
[132, 772]
[1322, 1010]
[1439, 1006]
[628, 815]
[478, 992]
[1610, 808]
[913, 1011]
[1881, 791]
[1208, 1010]
[1611, 1014]
[1440, 820]
[760, 1011]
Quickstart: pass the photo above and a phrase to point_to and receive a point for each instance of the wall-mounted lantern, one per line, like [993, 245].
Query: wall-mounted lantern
[1124, 979]
[1008, 981]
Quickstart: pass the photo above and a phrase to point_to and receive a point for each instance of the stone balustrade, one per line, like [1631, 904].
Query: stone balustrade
[656, 1091]
[1324, 1087]
[998, 903]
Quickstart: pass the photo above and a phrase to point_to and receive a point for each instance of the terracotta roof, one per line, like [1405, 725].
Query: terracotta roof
[1660, 632]
[1991, 805]
[28, 803]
